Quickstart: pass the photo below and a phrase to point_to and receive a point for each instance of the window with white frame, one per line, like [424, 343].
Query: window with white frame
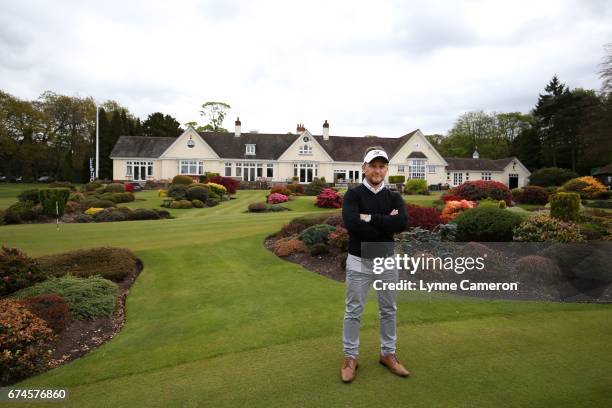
[228, 169]
[416, 169]
[305, 150]
[270, 170]
[139, 170]
[250, 149]
[195, 167]
[400, 168]
[485, 175]
[431, 169]
[457, 178]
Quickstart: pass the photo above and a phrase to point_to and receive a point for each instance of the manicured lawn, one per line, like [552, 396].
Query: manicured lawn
[423, 200]
[217, 320]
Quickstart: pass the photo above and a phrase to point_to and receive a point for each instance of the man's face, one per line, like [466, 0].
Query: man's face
[375, 171]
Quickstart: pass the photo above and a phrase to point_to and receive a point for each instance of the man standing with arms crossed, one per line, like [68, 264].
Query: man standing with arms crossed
[371, 213]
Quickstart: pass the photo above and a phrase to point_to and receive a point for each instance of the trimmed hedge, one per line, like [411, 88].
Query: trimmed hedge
[182, 179]
[416, 186]
[397, 179]
[196, 193]
[49, 197]
[565, 206]
[486, 224]
[110, 263]
[88, 298]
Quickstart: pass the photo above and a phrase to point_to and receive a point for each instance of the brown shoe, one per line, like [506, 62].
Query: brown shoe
[349, 369]
[391, 361]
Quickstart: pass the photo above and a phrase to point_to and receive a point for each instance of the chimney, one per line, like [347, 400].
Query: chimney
[237, 131]
[300, 128]
[475, 155]
[325, 130]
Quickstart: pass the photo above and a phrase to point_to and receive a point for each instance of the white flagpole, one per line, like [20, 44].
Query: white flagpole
[97, 141]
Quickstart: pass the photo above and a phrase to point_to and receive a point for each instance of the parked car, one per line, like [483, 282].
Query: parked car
[15, 179]
[45, 179]
[3, 179]
[136, 186]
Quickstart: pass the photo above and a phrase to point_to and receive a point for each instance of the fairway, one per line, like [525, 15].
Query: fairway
[215, 319]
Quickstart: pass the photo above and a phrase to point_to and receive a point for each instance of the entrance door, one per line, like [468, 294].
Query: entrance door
[140, 173]
[512, 181]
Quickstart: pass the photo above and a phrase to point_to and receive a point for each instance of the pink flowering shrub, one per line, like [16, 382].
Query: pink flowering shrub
[329, 198]
[276, 198]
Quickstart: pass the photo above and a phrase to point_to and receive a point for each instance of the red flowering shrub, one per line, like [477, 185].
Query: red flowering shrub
[276, 198]
[17, 271]
[453, 209]
[52, 308]
[532, 195]
[450, 197]
[329, 198]
[477, 190]
[129, 187]
[423, 217]
[339, 238]
[230, 184]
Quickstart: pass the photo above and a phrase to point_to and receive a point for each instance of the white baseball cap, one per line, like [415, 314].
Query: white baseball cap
[373, 154]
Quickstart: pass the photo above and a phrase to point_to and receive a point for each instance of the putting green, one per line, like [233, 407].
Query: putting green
[217, 320]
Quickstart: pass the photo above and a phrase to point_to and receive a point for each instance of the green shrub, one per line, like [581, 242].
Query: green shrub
[197, 203]
[211, 202]
[78, 197]
[178, 191]
[114, 188]
[319, 248]
[489, 202]
[22, 337]
[541, 228]
[49, 197]
[182, 179]
[416, 186]
[197, 193]
[316, 233]
[20, 211]
[83, 218]
[110, 215]
[102, 204]
[92, 186]
[315, 187]
[176, 204]
[17, 271]
[551, 176]
[276, 208]
[115, 198]
[29, 195]
[185, 204]
[257, 207]
[486, 225]
[516, 193]
[397, 179]
[89, 298]
[143, 214]
[110, 263]
[565, 206]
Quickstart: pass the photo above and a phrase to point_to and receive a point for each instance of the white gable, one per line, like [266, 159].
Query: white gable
[293, 151]
[418, 143]
[180, 148]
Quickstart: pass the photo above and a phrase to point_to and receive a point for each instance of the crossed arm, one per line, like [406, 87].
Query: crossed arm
[395, 221]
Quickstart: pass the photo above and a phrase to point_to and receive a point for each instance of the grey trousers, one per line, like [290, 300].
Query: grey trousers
[359, 278]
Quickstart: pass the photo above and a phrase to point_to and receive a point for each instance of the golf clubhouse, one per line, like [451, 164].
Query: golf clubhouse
[301, 156]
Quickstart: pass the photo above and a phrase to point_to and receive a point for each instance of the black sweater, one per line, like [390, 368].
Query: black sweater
[360, 200]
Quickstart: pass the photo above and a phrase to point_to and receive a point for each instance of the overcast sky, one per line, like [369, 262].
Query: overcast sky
[373, 67]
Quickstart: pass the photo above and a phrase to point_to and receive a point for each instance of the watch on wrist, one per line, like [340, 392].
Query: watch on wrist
[368, 218]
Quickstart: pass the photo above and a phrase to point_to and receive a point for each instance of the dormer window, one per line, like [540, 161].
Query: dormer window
[305, 150]
[250, 149]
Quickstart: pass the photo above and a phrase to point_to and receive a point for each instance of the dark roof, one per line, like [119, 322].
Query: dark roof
[463, 163]
[268, 146]
[141, 146]
[352, 149]
[604, 170]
